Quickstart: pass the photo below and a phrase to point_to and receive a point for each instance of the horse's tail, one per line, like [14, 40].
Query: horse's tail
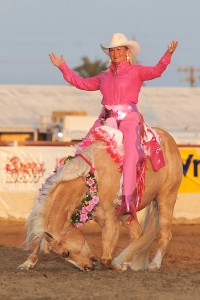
[136, 255]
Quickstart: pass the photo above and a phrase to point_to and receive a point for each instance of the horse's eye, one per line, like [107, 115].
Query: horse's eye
[65, 254]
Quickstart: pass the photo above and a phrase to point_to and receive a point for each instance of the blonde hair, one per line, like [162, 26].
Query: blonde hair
[132, 59]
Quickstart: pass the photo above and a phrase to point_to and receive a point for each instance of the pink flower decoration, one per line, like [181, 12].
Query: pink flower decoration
[93, 190]
[90, 207]
[84, 210]
[95, 200]
[90, 181]
[83, 218]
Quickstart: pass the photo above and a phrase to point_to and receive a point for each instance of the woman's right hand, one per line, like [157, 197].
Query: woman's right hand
[56, 61]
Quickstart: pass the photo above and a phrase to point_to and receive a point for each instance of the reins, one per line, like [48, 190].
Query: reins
[86, 160]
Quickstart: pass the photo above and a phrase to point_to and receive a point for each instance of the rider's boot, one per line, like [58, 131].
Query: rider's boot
[128, 205]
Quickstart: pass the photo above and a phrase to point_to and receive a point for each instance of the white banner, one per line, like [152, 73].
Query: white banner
[24, 168]
[22, 171]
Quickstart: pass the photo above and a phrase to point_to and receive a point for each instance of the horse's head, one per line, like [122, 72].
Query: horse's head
[72, 246]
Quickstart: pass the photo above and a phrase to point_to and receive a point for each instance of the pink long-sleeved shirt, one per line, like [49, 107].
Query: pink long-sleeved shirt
[118, 86]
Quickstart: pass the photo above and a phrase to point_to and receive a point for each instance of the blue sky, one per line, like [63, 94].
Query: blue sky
[30, 29]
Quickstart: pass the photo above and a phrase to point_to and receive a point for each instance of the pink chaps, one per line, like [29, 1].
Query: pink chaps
[133, 153]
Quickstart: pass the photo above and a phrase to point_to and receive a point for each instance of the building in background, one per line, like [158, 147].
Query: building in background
[64, 113]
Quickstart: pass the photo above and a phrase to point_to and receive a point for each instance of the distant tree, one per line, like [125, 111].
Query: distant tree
[91, 68]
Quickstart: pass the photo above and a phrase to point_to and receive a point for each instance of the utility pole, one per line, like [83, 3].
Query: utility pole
[192, 77]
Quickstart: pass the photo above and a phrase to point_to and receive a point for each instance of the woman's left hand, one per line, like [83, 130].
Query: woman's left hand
[172, 46]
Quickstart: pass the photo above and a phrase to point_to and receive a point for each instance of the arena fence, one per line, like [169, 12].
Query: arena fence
[24, 168]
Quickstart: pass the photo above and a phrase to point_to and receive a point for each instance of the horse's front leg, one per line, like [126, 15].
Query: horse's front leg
[121, 262]
[109, 222]
[31, 260]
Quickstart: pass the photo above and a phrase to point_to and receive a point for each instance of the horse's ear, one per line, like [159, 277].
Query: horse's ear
[48, 236]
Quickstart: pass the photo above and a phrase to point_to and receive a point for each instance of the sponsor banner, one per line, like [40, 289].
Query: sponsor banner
[25, 168]
[191, 170]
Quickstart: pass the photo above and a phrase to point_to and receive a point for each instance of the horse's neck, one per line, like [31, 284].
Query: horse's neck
[62, 202]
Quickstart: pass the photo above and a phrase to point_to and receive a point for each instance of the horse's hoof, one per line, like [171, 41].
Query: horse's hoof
[117, 267]
[120, 267]
[153, 267]
[125, 266]
[23, 267]
[88, 268]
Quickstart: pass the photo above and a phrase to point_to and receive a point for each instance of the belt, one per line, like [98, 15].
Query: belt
[119, 112]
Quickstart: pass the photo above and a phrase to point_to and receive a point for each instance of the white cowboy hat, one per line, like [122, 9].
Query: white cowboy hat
[119, 39]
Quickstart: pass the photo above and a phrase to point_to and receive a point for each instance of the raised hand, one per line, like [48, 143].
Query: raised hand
[56, 61]
[172, 46]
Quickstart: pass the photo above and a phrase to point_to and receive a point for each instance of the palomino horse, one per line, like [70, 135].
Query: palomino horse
[50, 227]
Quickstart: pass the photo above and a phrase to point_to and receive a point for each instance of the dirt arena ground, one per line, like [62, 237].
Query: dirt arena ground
[52, 278]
